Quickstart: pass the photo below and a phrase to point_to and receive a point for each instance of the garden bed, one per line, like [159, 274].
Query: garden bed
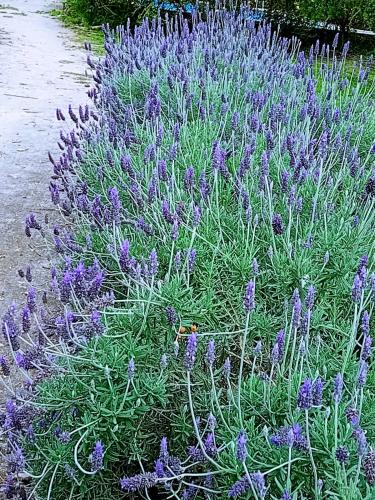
[218, 286]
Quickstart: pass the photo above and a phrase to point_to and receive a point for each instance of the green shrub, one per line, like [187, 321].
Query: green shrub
[114, 12]
[260, 179]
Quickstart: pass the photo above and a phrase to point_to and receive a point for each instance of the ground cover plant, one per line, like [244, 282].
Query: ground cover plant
[217, 282]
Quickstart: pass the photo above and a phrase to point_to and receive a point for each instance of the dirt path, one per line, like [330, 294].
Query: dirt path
[41, 68]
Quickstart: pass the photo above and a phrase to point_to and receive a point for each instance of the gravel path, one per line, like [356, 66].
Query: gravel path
[41, 68]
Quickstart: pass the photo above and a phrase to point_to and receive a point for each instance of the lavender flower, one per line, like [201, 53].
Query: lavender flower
[26, 319]
[317, 392]
[369, 467]
[159, 468]
[164, 454]
[249, 300]
[305, 395]
[4, 366]
[362, 373]
[189, 179]
[139, 482]
[277, 224]
[16, 460]
[96, 457]
[338, 388]
[365, 325]
[258, 481]
[154, 264]
[342, 454]
[163, 362]
[352, 416]
[171, 314]
[360, 437]
[28, 274]
[226, 368]
[310, 297]
[69, 471]
[366, 348]
[64, 437]
[241, 446]
[197, 213]
[239, 488]
[290, 436]
[357, 289]
[258, 348]
[209, 444]
[210, 355]
[211, 422]
[177, 260]
[191, 351]
[131, 369]
[243, 485]
[192, 255]
[31, 299]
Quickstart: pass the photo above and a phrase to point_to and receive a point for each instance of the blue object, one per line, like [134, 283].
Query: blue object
[171, 7]
[256, 15]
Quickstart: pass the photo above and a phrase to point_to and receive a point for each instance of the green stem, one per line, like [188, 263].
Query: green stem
[244, 338]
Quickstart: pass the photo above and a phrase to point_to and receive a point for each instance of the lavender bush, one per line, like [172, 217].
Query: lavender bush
[218, 284]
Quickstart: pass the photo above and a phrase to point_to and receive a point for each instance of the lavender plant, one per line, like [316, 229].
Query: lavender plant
[218, 286]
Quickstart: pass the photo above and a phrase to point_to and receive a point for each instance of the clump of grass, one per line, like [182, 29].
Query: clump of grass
[219, 285]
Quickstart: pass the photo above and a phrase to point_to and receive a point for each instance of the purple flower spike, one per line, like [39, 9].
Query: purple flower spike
[239, 488]
[131, 369]
[305, 395]
[210, 355]
[255, 267]
[338, 386]
[211, 422]
[163, 362]
[28, 274]
[138, 482]
[277, 224]
[259, 483]
[159, 468]
[16, 461]
[258, 348]
[189, 180]
[31, 299]
[164, 454]
[4, 367]
[96, 457]
[171, 314]
[197, 214]
[317, 392]
[352, 416]
[310, 297]
[362, 373]
[369, 467]
[26, 319]
[249, 300]
[192, 255]
[241, 446]
[365, 325]
[366, 348]
[342, 454]
[153, 262]
[226, 368]
[357, 289]
[191, 351]
[360, 437]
